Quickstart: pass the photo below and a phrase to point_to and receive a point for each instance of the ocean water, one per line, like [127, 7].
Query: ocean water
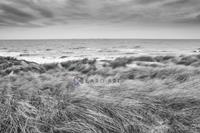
[47, 51]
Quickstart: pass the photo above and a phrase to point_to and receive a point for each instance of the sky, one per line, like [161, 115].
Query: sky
[69, 19]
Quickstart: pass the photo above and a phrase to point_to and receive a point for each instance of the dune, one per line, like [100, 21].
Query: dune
[160, 94]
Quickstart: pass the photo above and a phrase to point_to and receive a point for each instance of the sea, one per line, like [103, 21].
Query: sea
[49, 51]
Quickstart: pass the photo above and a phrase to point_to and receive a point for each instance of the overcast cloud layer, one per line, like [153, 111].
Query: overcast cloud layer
[36, 13]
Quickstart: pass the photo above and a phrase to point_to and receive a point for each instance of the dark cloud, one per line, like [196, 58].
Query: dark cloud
[51, 12]
[12, 10]
[178, 3]
[13, 16]
[3, 22]
[198, 17]
[44, 11]
[191, 20]
[147, 1]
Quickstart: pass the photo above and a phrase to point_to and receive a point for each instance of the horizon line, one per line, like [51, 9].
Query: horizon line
[29, 39]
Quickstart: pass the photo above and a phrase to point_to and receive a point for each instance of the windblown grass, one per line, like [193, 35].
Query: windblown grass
[44, 99]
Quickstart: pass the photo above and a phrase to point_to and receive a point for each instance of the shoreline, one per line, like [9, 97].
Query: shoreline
[60, 59]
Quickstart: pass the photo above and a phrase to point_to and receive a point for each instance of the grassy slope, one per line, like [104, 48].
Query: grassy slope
[160, 95]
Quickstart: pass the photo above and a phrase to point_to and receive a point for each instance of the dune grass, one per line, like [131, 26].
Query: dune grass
[149, 99]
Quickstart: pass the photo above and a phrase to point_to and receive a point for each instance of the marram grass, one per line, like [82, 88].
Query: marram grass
[150, 98]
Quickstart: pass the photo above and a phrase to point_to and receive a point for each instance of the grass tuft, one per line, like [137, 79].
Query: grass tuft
[44, 99]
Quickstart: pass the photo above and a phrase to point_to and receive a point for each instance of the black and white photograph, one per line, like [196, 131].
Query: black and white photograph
[99, 66]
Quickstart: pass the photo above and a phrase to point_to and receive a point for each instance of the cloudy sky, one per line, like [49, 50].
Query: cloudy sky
[51, 19]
